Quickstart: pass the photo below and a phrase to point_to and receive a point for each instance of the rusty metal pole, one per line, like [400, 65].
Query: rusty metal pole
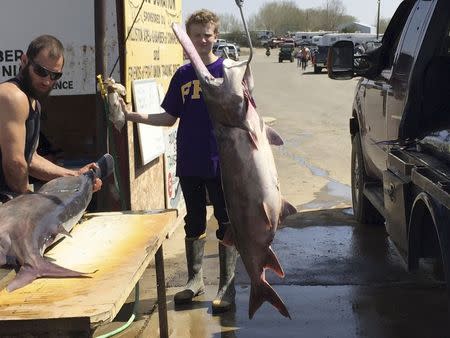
[100, 69]
[101, 134]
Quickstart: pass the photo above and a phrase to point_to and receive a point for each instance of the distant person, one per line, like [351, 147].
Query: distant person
[298, 56]
[305, 55]
[20, 112]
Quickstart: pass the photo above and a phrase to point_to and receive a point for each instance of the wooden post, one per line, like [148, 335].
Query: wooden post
[161, 289]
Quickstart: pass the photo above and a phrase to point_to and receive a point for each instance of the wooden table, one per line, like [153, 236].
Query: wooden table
[118, 247]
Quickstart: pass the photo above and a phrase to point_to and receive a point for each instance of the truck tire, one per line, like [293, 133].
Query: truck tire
[317, 70]
[364, 211]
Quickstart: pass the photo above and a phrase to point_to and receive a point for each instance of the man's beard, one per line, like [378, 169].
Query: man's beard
[27, 84]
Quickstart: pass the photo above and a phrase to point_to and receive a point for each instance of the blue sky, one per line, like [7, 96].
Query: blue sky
[364, 10]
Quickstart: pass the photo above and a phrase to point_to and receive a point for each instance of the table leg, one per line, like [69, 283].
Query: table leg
[161, 289]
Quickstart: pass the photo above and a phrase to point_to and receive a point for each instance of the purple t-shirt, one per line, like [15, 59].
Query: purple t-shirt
[197, 153]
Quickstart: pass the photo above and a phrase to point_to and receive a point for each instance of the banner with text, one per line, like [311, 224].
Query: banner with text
[152, 50]
[72, 22]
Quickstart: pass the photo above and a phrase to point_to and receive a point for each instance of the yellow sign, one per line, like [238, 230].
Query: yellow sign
[152, 50]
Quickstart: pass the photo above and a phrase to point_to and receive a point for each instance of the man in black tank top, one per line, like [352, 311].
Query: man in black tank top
[40, 68]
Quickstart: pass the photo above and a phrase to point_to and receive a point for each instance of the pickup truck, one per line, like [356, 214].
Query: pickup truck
[400, 170]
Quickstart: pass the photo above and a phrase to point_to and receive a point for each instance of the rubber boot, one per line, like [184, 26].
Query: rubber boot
[224, 300]
[194, 256]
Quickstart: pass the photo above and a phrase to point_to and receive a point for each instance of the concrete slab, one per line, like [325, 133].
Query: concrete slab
[317, 311]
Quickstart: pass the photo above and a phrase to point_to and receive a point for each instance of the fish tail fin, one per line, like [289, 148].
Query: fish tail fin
[49, 269]
[24, 277]
[262, 292]
[28, 273]
[105, 166]
[273, 263]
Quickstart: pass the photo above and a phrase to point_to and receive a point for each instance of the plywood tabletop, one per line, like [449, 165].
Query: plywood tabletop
[116, 247]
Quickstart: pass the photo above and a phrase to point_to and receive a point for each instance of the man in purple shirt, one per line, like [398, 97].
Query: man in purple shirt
[197, 162]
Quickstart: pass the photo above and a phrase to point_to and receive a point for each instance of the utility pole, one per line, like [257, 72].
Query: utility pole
[378, 19]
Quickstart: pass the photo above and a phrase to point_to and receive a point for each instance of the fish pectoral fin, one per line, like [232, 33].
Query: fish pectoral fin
[253, 139]
[273, 263]
[5, 244]
[63, 231]
[287, 209]
[269, 216]
[273, 137]
[25, 276]
[262, 292]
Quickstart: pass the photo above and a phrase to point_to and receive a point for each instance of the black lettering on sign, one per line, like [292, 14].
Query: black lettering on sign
[169, 4]
[140, 72]
[10, 55]
[151, 36]
[10, 70]
[63, 85]
[153, 17]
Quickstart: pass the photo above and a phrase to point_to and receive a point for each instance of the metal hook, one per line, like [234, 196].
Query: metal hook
[239, 3]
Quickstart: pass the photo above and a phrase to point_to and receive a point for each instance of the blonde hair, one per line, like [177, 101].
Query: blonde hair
[203, 17]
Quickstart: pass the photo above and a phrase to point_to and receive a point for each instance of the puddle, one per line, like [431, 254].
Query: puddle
[348, 211]
[316, 171]
[332, 194]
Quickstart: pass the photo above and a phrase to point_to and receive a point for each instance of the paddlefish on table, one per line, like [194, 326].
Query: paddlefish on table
[31, 222]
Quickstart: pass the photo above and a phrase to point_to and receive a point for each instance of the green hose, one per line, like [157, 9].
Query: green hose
[133, 316]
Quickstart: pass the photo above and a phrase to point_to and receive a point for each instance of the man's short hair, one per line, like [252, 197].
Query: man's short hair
[203, 17]
[49, 42]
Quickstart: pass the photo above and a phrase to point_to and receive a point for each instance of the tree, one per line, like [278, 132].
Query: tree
[285, 16]
[278, 16]
[229, 23]
[334, 12]
[384, 22]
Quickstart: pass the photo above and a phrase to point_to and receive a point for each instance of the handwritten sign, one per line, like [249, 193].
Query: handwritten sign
[146, 100]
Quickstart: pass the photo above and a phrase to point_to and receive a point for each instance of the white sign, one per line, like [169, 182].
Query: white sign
[174, 197]
[70, 21]
[147, 101]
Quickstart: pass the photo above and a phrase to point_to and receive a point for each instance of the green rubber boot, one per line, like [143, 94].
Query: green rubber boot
[194, 256]
[224, 300]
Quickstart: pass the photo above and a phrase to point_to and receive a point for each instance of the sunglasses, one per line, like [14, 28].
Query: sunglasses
[44, 72]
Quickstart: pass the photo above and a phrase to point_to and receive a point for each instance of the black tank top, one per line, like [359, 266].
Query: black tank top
[32, 126]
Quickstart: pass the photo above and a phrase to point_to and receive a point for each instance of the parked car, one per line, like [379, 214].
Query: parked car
[274, 43]
[226, 50]
[400, 127]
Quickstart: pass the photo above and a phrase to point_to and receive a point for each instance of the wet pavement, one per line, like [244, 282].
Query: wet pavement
[342, 279]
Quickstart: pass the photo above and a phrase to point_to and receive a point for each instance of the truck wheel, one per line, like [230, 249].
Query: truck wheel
[317, 70]
[280, 60]
[364, 211]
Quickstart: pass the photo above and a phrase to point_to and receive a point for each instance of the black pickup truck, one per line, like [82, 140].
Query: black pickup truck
[400, 130]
